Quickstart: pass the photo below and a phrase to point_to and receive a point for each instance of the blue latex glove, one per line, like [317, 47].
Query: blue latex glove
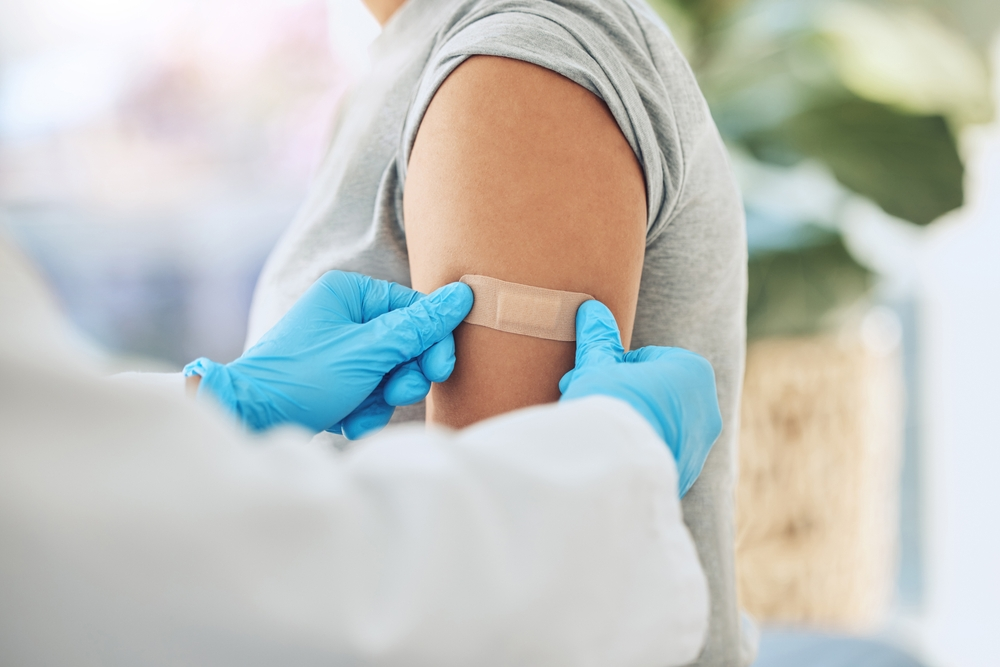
[349, 351]
[672, 388]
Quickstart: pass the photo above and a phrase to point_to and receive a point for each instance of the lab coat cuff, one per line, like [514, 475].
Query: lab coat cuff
[170, 383]
[616, 407]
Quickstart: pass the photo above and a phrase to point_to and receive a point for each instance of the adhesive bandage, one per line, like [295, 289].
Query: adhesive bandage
[522, 309]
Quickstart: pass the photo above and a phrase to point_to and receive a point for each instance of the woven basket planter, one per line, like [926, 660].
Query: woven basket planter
[817, 497]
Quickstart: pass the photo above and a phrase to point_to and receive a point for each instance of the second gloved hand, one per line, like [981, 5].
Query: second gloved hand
[349, 351]
[674, 389]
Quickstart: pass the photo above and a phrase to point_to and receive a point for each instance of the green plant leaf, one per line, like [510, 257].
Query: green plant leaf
[804, 290]
[707, 12]
[908, 164]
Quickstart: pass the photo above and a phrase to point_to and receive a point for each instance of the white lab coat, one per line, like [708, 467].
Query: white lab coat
[138, 527]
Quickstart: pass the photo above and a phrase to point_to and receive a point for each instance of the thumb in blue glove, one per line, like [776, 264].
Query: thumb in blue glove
[674, 389]
[349, 351]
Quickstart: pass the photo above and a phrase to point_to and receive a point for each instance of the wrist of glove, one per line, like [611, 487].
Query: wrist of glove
[343, 358]
[245, 398]
[672, 388]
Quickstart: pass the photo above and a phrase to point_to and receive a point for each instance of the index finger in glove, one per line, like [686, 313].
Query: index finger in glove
[436, 362]
[598, 341]
[379, 297]
[648, 353]
[363, 298]
[407, 332]
[385, 297]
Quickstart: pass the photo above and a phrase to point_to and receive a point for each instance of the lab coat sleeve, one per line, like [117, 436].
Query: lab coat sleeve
[172, 383]
[142, 528]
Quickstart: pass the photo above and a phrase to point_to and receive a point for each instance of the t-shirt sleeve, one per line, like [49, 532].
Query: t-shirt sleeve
[605, 60]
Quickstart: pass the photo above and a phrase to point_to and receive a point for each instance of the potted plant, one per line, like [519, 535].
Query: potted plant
[828, 107]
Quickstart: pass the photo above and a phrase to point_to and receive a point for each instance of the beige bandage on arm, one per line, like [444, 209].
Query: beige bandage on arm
[522, 309]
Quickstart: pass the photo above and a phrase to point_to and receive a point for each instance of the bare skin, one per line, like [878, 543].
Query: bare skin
[520, 174]
[383, 10]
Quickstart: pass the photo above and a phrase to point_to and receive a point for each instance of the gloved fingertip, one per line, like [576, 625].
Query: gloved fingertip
[438, 362]
[564, 381]
[594, 314]
[650, 353]
[358, 429]
[690, 472]
[691, 466]
[597, 337]
[593, 308]
[406, 388]
[358, 426]
[457, 297]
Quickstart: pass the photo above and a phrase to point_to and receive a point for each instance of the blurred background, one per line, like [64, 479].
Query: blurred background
[151, 153]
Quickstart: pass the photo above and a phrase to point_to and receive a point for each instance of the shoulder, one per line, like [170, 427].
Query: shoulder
[506, 92]
[627, 29]
[615, 50]
[514, 122]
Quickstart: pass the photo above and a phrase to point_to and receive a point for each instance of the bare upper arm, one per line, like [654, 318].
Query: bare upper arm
[520, 174]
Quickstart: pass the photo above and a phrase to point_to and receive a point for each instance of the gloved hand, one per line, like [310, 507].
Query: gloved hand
[672, 388]
[349, 351]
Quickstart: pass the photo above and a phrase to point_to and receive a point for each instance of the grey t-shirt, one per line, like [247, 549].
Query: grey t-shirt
[693, 288]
